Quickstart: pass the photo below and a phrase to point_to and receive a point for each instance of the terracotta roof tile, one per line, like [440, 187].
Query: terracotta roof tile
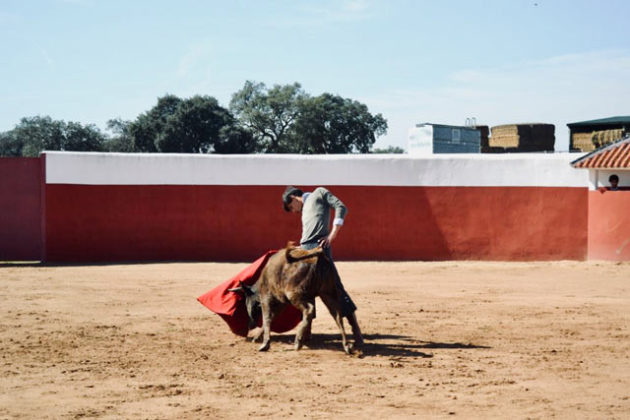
[613, 156]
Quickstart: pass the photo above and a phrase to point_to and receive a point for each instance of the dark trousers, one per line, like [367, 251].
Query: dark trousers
[347, 305]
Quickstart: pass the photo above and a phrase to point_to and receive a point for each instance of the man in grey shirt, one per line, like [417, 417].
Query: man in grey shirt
[315, 208]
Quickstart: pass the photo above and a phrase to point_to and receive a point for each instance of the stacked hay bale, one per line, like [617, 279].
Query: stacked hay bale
[591, 140]
[606, 137]
[583, 142]
[536, 137]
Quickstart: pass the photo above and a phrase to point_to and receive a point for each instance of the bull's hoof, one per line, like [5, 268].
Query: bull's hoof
[355, 349]
[357, 352]
[347, 349]
[298, 345]
[264, 347]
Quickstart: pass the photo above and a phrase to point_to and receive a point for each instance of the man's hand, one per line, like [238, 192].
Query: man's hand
[324, 242]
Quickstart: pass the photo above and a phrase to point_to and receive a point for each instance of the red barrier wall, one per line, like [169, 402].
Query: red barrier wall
[20, 209]
[239, 223]
[609, 225]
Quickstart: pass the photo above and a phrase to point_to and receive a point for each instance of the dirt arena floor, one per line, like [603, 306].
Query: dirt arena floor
[444, 340]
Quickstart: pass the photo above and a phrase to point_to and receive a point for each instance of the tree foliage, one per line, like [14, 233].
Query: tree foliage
[280, 119]
[10, 145]
[332, 124]
[148, 126]
[235, 139]
[284, 119]
[268, 113]
[36, 134]
[195, 125]
[122, 140]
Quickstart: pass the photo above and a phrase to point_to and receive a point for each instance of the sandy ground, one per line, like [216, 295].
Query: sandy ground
[444, 340]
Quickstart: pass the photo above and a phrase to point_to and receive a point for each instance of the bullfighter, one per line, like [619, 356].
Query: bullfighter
[315, 208]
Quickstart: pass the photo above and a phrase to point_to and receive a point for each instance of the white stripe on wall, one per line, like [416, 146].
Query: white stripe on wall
[468, 170]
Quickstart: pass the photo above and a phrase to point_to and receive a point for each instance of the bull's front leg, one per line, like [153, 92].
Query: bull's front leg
[308, 309]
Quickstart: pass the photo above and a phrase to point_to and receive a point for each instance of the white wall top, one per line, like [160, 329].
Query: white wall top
[472, 170]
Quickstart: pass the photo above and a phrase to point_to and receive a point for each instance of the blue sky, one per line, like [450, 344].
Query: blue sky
[500, 61]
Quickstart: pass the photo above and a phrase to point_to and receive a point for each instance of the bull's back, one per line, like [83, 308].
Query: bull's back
[306, 278]
[278, 277]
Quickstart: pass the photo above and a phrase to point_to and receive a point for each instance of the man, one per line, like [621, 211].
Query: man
[315, 208]
[614, 182]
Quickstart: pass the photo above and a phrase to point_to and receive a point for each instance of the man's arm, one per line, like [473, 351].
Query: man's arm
[335, 203]
[340, 214]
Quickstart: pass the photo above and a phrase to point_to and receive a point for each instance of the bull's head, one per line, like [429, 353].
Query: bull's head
[252, 302]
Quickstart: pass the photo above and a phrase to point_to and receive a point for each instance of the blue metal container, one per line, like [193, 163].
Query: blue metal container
[439, 138]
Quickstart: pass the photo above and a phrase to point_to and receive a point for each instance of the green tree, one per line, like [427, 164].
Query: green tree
[10, 145]
[268, 113]
[148, 126]
[36, 134]
[194, 127]
[122, 140]
[332, 124]
[235, 139]
[284, 119]
[39, 133]
[83, 138]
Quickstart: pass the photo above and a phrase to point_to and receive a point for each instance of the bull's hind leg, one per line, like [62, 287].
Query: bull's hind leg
[268, 314]
[307, 309]
[334, 307]
[356, 330]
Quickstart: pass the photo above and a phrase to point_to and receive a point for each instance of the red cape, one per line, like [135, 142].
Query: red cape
[231, 306]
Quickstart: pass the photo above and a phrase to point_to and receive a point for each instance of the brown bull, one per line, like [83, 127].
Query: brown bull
[294, 276]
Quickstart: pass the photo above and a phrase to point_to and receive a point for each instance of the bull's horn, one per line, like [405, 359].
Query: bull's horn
[240, 288]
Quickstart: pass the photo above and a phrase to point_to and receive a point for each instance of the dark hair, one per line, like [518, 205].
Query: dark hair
[286, 196]
[613, 177]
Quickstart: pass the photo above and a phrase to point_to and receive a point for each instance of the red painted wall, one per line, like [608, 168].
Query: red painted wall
[609, 225]
[489, 223]
[20, 209]
[239, 223]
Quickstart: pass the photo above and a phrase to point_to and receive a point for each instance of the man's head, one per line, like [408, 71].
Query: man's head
[291, 199]
[614, 180]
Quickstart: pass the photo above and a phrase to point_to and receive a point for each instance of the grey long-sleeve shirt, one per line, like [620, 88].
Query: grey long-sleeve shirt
[316, 214]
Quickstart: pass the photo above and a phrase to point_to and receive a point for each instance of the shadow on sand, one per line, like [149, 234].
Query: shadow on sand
[389, 345]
